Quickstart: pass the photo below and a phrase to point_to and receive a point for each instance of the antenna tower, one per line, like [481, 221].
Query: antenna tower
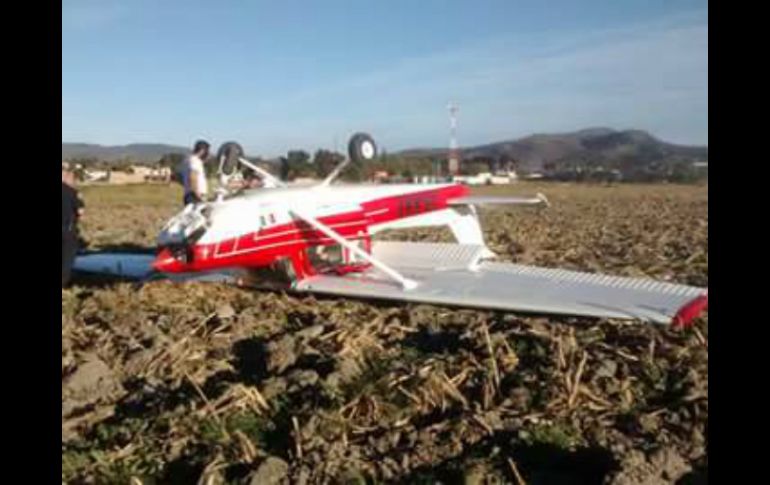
[454, 150]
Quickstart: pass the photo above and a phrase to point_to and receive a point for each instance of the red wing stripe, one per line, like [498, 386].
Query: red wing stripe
[685, 316]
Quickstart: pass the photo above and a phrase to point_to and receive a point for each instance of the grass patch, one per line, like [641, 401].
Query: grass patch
[559, 435]
[271, 433]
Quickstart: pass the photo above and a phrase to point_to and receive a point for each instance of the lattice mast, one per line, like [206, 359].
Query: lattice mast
[454, 148]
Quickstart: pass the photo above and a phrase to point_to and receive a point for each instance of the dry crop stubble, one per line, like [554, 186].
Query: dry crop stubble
[210, 382]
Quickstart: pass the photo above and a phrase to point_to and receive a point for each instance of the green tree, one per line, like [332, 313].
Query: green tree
[171, 160]
[174, 162]
[325, 161]
[298, 157]
[296, 164]
[683, 172]
[473, 168]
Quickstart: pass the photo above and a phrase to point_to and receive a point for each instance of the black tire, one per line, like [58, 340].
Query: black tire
[227, 158]
[362, 148]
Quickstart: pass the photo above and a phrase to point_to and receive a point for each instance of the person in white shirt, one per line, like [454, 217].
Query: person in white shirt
[194, 175]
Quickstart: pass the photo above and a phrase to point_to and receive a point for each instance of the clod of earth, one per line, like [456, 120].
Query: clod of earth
[281, 354]
[225, 311]
[271, 471]
[91, 382]
[662, 467]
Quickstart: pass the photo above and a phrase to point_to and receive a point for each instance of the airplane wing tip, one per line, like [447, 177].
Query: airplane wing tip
[690, 311]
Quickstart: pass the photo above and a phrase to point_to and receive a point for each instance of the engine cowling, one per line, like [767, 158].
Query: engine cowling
[186, 227]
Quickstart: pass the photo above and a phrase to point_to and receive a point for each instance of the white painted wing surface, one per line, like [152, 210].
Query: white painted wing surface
[455, 275]
[468, 283]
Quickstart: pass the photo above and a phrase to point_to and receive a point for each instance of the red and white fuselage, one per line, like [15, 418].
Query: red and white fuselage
[260, 227]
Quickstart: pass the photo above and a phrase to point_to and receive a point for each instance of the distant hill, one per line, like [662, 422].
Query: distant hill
[626, 149]
[146, 152]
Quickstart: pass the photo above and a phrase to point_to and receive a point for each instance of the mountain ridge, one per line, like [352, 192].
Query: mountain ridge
[599, 146]
[145, 152]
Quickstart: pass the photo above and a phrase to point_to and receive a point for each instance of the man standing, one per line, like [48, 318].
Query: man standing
[194, 175]
[71, 211]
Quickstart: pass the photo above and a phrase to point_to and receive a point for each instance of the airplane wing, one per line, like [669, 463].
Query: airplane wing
[138, 267]
[131, 266]
[456, 275]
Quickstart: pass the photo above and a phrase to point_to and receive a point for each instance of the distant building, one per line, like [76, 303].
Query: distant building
[159, 174]
[701, 170]
[454, 163]
[429, 179]
[304, 181]
[487, 178]
[134, 174]
[93, 176]
[380, 176]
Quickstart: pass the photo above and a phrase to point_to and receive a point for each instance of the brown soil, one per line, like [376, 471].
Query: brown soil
[186, 383]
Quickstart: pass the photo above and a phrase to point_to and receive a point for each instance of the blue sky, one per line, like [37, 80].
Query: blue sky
[277, 75]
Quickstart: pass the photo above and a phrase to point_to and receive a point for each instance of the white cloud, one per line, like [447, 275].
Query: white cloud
[651, 76]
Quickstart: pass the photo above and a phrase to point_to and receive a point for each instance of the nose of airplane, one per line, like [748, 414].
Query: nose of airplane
[167, 262]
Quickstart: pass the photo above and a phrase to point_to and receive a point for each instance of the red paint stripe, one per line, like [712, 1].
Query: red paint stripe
[691, 310]
[252, 252]
[397, 206]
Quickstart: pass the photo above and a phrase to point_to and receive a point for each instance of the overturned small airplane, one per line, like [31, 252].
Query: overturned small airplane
[318, 239]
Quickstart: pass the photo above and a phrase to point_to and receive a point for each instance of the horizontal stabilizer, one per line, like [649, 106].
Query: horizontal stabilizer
[538, 200]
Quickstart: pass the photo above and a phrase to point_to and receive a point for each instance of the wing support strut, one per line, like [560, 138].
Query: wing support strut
[405, 283]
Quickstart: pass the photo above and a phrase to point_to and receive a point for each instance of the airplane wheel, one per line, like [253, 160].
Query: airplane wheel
[362, 148]
[227, 157]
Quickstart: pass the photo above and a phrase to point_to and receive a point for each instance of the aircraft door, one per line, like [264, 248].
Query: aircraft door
[332, 257]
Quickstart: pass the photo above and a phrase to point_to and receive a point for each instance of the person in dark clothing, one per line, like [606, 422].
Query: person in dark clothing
[71, 211]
